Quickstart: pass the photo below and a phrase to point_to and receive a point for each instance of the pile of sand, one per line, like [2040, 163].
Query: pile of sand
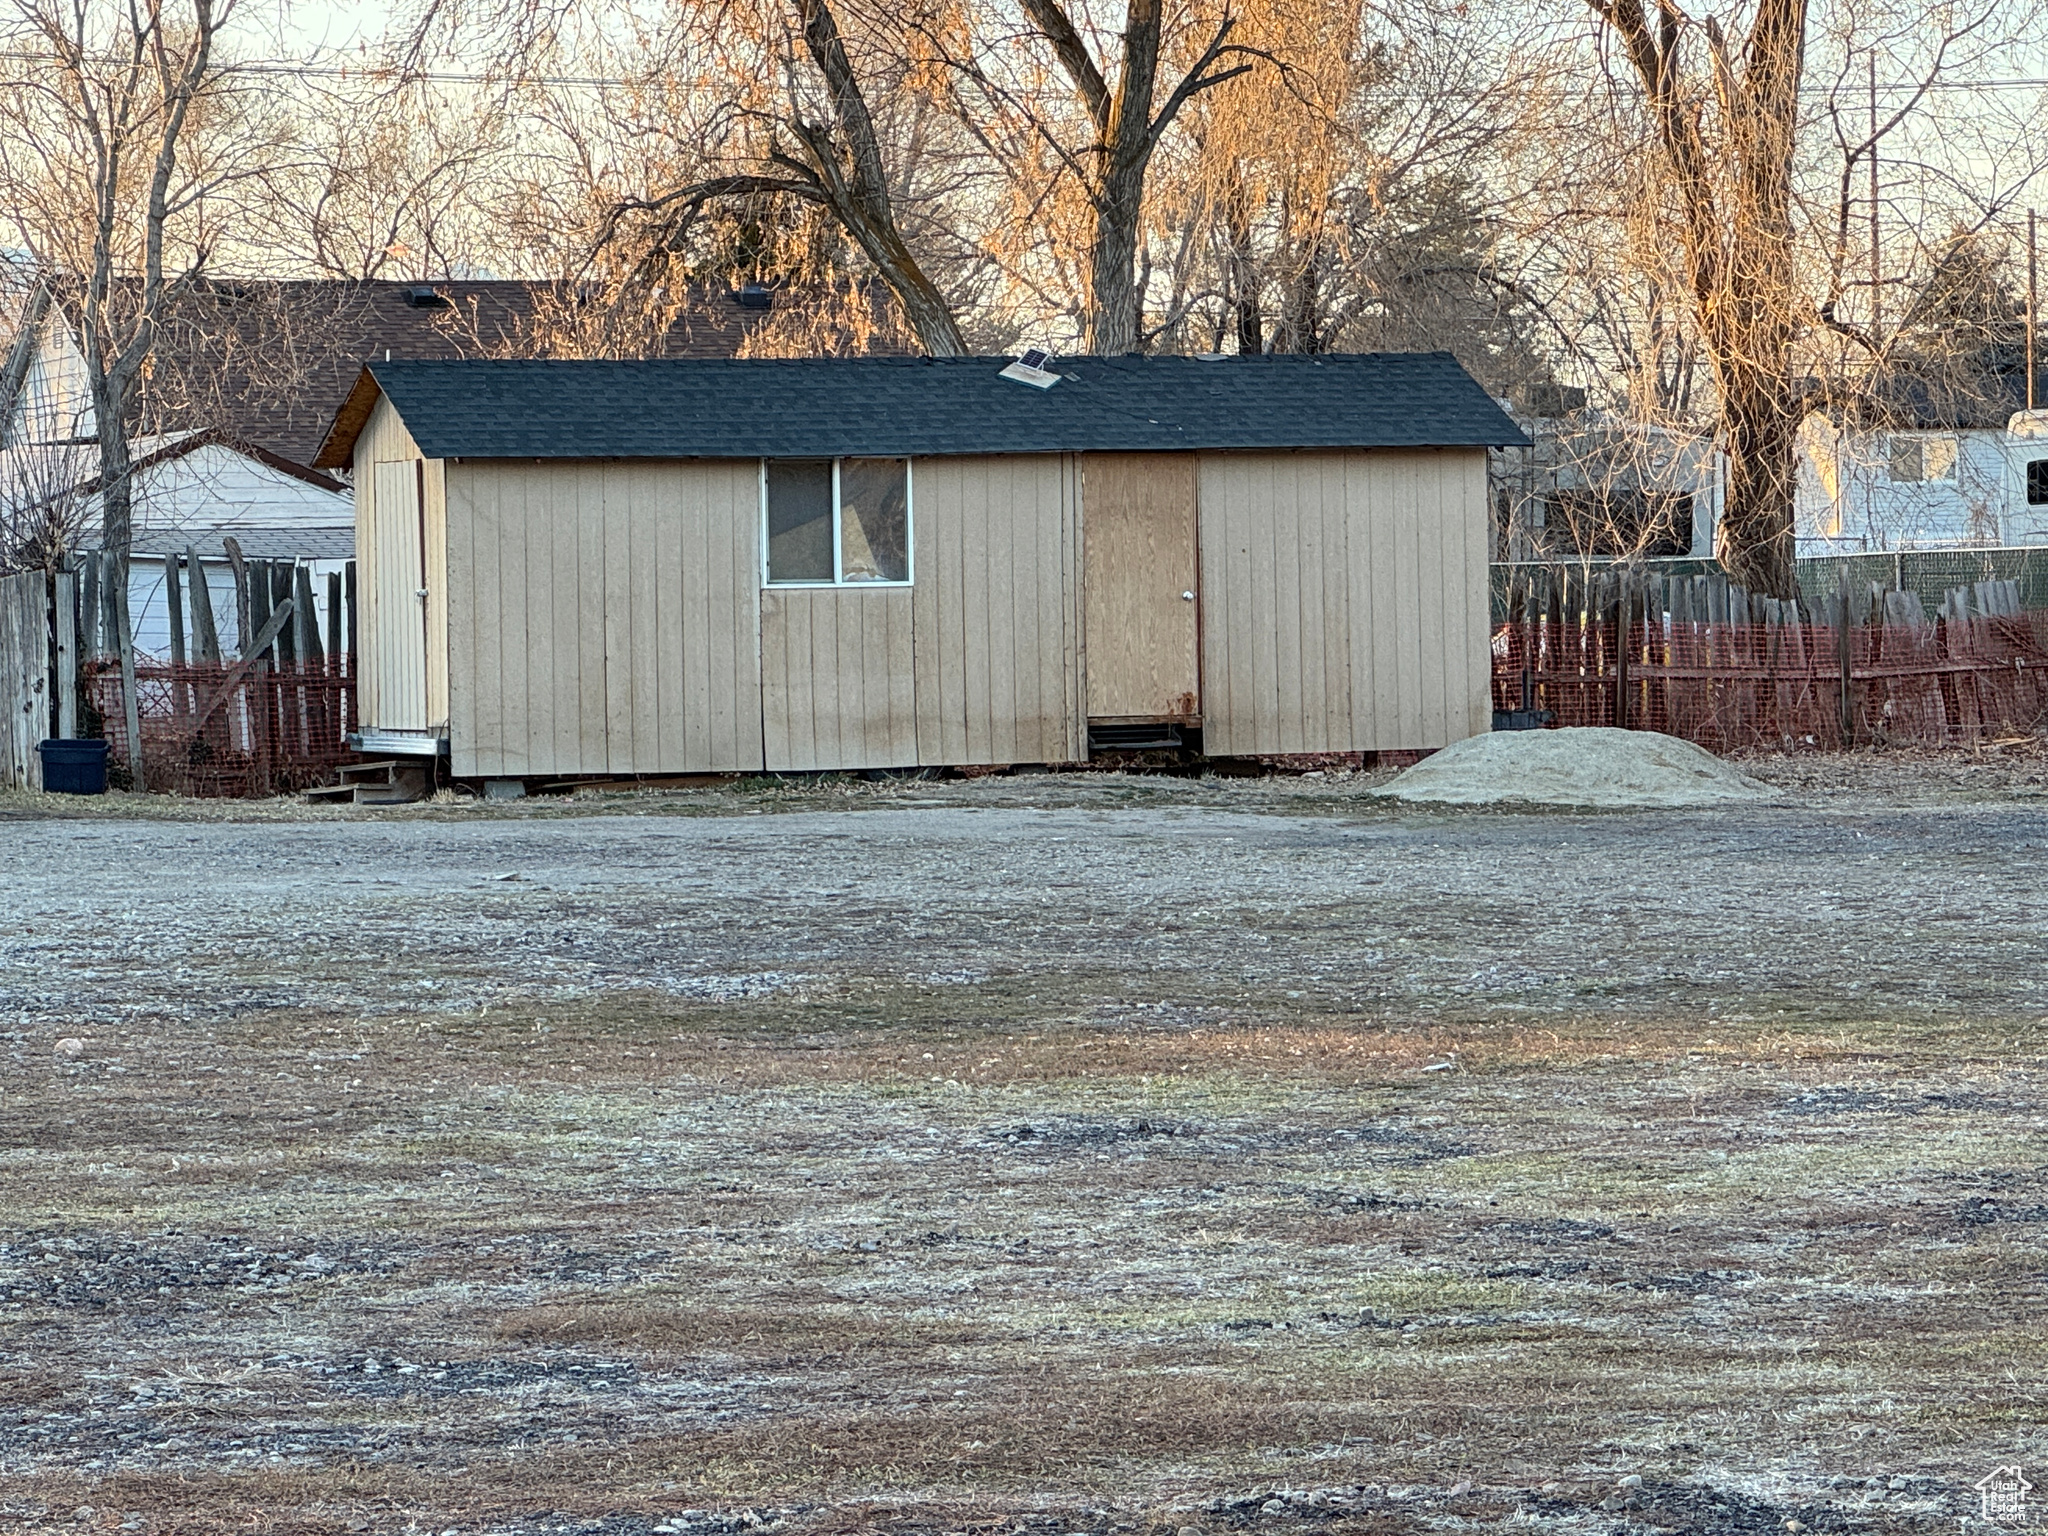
[1593, 766]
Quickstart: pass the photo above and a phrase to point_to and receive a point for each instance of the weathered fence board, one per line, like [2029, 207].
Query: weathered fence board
[242, 725]
[1694, 657]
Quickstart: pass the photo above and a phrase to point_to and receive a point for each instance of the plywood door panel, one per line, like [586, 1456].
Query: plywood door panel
[1139, 539]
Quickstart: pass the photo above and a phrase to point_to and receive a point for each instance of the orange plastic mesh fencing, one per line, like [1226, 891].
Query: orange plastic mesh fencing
[1781, 687]
[225, 730]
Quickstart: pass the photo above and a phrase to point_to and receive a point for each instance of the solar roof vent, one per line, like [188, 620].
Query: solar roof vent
[423, 297]
[755, 296]
[1033, 368]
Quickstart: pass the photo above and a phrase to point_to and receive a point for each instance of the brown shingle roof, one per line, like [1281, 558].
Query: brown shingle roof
[269, 363]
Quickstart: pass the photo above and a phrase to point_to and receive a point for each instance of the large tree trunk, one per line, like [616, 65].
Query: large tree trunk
[1755, 541]
[1115, 321]
[1127, 131]
[855, 184]
[117, 490]
[1726, 153]
[1242, 268]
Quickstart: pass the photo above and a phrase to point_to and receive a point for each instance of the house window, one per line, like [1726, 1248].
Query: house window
[1914, 459]
[836, 522]
[2037, 482]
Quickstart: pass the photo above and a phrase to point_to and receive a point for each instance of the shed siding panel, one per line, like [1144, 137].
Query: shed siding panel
[533, 740]
[995, 638]
[838, 678]
[662, 666]
[599, 595]
[617, 602]
[472, 610]
[587, 599]
[1340, 591]
[1343, 600]
[1074, 735]
[438, 612]
[936, 569]
[1474, 707]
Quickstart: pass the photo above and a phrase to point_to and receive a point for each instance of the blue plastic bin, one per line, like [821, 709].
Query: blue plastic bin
[74, 767]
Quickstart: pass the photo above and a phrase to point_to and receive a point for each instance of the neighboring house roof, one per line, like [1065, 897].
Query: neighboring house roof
[268, 363]
[831, 407]
[194, 488]
[1976, 391]
[337, 543]
[150, 452]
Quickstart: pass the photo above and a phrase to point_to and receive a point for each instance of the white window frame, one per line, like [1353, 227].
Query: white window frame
[1947, 445]
[838, 549]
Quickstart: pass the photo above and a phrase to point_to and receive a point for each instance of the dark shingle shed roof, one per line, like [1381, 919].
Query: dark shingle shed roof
[829, 407]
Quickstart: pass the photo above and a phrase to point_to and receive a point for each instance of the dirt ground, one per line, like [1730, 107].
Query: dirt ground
[1041, 1155]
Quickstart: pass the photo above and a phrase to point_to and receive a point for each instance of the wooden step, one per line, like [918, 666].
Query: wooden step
[406, 784]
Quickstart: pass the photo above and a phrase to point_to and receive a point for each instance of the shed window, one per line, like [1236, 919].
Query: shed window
[837, 521]
[2037, 482]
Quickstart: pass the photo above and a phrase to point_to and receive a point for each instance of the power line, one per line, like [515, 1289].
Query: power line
[309, 71]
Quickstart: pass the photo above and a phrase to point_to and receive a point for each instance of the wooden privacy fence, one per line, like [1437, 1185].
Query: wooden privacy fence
[268, 714]
[38, 653]
[1700, 658]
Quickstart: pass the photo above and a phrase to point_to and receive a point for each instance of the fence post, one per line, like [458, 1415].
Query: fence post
[245, 618]
[1843, 655]
[205, 633]
[262, 726]
[64, 602]
[174, 608]
[1624, 632]
[89, 605]
[115, 580]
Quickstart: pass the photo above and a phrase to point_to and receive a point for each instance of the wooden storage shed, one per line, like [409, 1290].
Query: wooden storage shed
[588, 568]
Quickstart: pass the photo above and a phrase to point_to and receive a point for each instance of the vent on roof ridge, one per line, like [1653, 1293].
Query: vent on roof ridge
[423, 296]
[755, 296]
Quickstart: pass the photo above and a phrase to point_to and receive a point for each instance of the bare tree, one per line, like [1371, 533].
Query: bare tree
[100, 104]
[384, 183]
[1123, 109]
[1129, 120]
[46, 501]
[1726, 131]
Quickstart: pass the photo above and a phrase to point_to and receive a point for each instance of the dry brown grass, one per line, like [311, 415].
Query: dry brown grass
[890, 1254]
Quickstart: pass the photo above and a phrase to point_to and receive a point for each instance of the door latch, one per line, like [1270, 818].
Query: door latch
[1187, 597]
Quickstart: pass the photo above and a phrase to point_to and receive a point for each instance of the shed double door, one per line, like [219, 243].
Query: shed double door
[1140, 575]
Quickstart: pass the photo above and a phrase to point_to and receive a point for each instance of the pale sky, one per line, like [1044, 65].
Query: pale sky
[315, 26]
